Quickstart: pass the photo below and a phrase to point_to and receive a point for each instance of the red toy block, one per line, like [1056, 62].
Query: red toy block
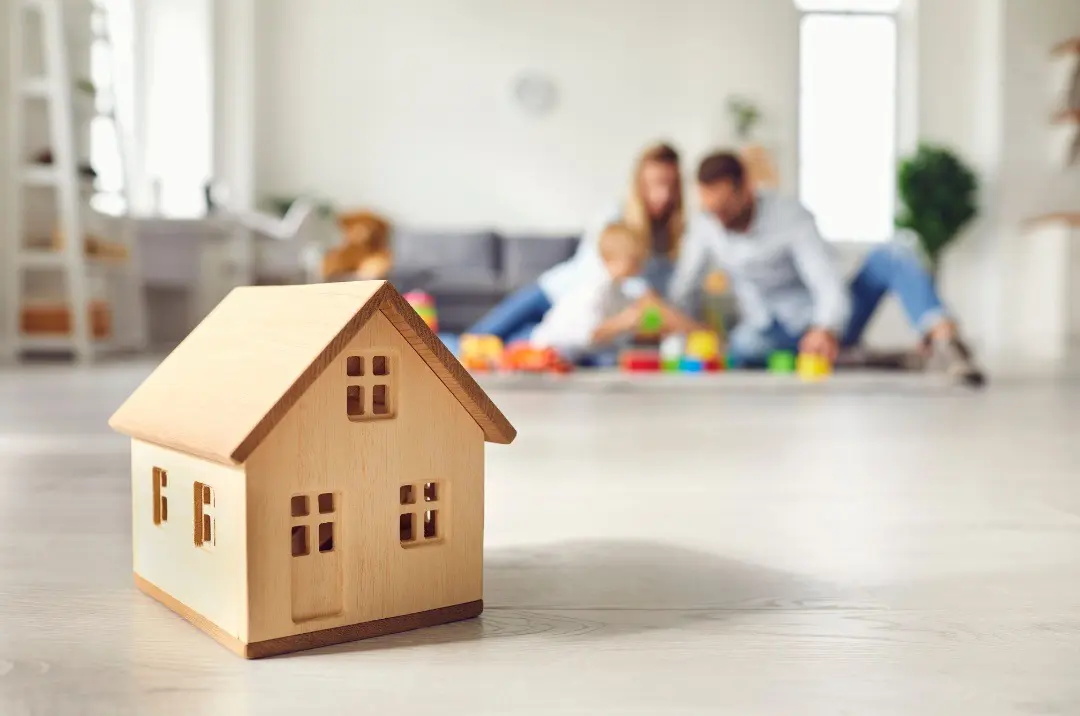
[640, 361]
[714, 365]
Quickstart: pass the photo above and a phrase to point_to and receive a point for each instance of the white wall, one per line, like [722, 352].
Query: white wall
[959, 104]
[405, 106]
[1033, 182]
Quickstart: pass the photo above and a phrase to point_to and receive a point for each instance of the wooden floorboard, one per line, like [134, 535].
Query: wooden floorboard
[884, 548]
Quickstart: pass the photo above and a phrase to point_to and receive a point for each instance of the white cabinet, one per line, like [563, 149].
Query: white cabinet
[197, 261]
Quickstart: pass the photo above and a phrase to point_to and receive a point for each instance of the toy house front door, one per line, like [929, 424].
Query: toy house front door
[316, 556]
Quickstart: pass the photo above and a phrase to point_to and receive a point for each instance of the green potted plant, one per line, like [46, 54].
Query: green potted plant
[938, 198]
[745, 115]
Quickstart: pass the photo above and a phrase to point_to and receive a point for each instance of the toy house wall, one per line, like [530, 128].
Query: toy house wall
[209, 579]
[317, 449]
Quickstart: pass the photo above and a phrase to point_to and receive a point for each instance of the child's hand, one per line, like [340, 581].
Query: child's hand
[629, 318]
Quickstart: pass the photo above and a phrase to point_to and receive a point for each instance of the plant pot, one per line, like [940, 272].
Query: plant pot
[760, 166]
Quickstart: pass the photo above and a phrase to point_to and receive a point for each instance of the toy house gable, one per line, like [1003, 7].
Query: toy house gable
[222, 390]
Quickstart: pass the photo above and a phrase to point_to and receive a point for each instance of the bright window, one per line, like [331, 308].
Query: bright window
[112, 74]
[847, 117]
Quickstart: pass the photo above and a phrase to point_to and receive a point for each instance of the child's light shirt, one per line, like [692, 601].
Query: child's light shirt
[570, 324]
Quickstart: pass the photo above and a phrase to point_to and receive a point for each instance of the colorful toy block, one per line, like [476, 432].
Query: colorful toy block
[703, 345]
[481, 353]
[424, 305]
[651, 321]
[640, 361]
[689, 364]
[524, 357]
[672, 349]
[781, 362]
[813, 367]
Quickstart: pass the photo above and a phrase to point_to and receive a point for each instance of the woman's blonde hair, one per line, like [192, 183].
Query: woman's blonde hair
[637, 215]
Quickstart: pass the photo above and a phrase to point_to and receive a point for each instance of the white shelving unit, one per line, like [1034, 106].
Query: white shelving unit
[77, 274]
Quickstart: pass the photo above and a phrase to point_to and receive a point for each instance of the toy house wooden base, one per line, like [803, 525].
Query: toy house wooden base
[308, 469]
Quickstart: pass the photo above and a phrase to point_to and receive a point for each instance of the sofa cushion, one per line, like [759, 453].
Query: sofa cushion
[465, 283]
[526, 257]
[447, 253]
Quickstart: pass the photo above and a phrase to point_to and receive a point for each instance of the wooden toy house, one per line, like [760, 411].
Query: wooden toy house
[308, 469]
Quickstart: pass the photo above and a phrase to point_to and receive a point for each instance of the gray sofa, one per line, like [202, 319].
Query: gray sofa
[468, 273]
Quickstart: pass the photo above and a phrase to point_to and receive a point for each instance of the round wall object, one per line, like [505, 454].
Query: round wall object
[535, 94]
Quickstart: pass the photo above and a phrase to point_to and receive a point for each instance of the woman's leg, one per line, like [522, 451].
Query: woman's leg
[894, 268]
[523, 308]
[749, 347]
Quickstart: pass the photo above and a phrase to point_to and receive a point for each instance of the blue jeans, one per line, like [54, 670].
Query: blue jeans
[515, 317]
[894, 268]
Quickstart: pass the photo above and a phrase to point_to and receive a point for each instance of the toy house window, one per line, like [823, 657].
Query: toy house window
[161, 500]
[313, 515]
[371, 390]
[205, 523]
[421, 513]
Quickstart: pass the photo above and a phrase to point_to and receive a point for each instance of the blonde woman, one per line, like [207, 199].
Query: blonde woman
[653, 211]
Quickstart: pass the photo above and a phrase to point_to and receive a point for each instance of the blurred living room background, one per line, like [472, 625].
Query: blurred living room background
[485, 132]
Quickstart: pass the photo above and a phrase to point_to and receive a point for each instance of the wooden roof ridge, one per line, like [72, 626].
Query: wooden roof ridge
[171, 408]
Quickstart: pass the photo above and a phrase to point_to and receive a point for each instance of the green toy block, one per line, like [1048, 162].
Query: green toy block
[781, 362]
[651, 320]
[670, 365]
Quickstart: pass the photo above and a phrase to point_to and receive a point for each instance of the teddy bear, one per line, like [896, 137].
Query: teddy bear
[364, 251]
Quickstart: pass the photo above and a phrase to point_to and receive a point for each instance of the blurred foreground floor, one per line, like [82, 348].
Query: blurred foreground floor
[869, 547]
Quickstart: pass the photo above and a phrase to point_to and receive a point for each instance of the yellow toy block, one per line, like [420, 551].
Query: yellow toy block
[813, 367]
[481, 350]
[703, 345]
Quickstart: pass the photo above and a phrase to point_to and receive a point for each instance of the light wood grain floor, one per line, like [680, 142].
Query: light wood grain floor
[865, 549]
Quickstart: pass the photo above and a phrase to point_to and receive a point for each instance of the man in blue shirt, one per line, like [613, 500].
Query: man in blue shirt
[791, 293]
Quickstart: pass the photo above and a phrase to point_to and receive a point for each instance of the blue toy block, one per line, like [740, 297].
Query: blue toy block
[691, 365]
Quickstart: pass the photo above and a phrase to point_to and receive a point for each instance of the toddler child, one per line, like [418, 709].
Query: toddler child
[591, 322]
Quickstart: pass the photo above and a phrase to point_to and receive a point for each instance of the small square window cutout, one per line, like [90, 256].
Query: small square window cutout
[326, 537]
[431, 492]
[380, 365]
[354, 366]
[326, 503]
[354, 404]
[379, 404]
[405, 523]
[431, 524]
[299, 541]
[300, 506]
[408, 496]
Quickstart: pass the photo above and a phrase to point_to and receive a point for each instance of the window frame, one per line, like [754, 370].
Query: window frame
[161, 500]
[366, 380]
[853, 10]
[416, 507]
[311, 520]
[205, 515]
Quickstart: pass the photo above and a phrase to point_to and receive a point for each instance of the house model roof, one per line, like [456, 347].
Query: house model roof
[225, 387]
